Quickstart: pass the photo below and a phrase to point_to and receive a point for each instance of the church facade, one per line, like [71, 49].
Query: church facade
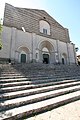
[31, 35]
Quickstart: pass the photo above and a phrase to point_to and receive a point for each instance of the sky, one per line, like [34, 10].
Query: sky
[65, 12]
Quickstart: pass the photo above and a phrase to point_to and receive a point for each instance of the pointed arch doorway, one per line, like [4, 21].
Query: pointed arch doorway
[46, 54]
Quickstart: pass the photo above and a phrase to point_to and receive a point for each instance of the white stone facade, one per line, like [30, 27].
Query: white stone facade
[34, 47]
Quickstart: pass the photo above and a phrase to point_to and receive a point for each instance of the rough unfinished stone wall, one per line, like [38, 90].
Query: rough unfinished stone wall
[29, 19]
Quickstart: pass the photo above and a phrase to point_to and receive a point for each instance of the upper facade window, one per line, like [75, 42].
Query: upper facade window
[44, 27]
[44, 31]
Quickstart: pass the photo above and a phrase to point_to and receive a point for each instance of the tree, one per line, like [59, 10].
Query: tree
[0, 35]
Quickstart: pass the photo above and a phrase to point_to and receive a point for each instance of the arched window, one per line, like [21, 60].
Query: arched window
[44, 27]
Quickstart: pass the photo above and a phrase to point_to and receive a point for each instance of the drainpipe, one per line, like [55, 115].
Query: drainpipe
[74, 53]
[10, 43]
[68, 53]
[32, 47]
[57, 44]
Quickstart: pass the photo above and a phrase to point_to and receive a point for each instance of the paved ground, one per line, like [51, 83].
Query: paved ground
[67, 112]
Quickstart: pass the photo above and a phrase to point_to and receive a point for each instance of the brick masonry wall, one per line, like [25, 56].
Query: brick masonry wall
[29, 19]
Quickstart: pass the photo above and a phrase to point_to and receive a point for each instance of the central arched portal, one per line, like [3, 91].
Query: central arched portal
[46, 52]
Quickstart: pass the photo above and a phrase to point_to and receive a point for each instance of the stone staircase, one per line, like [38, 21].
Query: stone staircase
[30, 89]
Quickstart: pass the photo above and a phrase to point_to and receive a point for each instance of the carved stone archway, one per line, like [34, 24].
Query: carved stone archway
[48, 54]
[23, 54]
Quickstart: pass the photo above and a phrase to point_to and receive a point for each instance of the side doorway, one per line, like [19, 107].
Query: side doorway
[63, 61]
[23, 58]
[64, 58]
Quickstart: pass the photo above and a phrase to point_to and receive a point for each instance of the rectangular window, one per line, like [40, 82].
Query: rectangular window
[44, 31]
[36, 55]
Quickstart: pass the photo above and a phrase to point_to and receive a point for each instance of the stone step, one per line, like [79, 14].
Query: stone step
[28, 76]
[38, 82]
[7, 70]
[17, 102]
[9, 74]
[10, 80]
[37, 79]
[12, 77]
[23, 79]
[34, 89]
[26, 111]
